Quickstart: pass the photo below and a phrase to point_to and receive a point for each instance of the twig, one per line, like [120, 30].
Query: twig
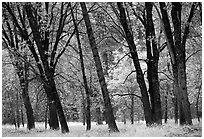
[129, 75]
[166, 75]
[192, 54]
[119, 61]
[127, 95]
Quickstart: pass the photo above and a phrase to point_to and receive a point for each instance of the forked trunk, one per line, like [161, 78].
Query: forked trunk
[183, 96]
[152, 65]
[57, 104]
[53, 119]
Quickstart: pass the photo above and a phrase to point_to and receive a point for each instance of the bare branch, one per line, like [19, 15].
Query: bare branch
[166, 75]
[119, 61]
[187, 26]
[129, 75]
[193, 54]
[137, 16]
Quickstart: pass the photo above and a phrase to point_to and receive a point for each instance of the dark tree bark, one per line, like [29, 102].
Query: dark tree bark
[83, 107]
[17, 111]
[24, 85]
[28, 107]
[22, 72]
[140, 75]
[108, 107]
[98, 116]
[88, 101]
[152, 65]
[22, 116]
[23, 76]
[175, 102]
[124, 117]
[166, 108]
[46, 111]
[132, 109]
[199, 113]
[176, 46]
[175, 91]
[53, 119]
[31, 120]
[47, 69]
[55, 106]
[42, 45]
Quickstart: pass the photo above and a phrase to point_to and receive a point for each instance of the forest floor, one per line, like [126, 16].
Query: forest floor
[127, 130]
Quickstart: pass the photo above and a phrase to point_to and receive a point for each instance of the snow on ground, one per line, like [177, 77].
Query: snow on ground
[127, 130]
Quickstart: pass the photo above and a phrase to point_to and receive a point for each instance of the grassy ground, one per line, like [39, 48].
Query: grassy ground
[128, 130]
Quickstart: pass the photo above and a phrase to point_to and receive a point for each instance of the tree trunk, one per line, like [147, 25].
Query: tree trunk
[175, 92]
[29, 110]
[184, 106]
[109, 110]
[22, 117]
[176, 110]
[17, 111]
[14, 119]
[104, 117]
[98, 116]
[83, 108]
[132, 109]
[152, 66]
[124, 117]
[166, 108]
[176, 47]
[46, 111]
[26, 100]
[62, 119]
[55, 105]
[47, 69]
[197, 101]
[88, 101]
[140, 75]
[183, 96]
[53, 117]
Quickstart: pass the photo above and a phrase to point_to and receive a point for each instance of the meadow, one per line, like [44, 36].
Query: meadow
[126, 130]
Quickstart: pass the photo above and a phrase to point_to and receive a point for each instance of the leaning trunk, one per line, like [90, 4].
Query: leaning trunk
[140, 75]
[87, 90]
[108, 107]
[55, 102]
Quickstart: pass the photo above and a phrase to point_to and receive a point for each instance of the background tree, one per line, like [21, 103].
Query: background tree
[18, 57]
